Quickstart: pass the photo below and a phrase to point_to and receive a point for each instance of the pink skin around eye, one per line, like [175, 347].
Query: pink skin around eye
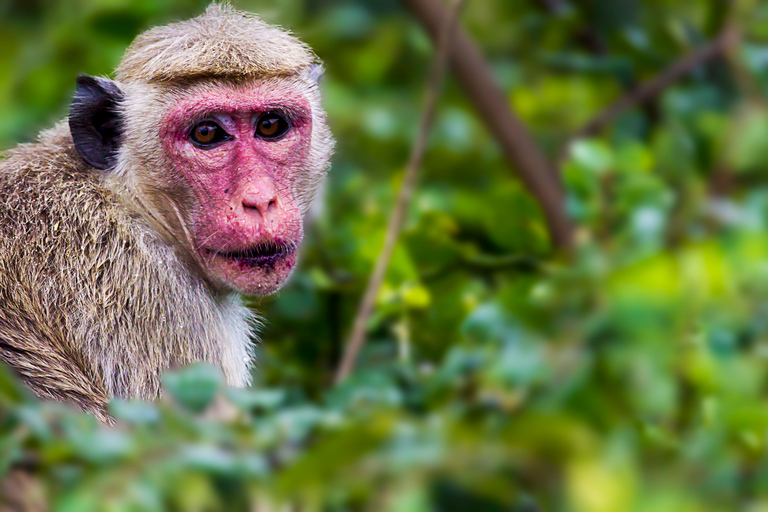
[248, 224]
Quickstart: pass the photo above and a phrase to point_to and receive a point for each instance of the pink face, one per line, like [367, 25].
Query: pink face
[240, 149]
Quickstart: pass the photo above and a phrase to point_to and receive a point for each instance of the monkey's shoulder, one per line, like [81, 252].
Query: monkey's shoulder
[46, 189]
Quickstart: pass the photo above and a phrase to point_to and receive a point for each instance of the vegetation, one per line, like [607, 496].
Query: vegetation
[627, 373]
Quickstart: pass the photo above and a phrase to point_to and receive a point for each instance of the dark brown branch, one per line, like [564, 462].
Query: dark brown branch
[650, 89]
[519, 147]
[397, 219]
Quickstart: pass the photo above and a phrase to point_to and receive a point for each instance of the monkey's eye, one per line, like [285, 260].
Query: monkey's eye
[271, 126]
[207, 134]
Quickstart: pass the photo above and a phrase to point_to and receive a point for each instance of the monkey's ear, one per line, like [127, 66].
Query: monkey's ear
[95, 122]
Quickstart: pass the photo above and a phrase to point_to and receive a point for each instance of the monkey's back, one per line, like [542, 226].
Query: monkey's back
[84, 285]
[44, 243]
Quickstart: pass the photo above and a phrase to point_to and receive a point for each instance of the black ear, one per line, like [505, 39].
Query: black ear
[95, 122]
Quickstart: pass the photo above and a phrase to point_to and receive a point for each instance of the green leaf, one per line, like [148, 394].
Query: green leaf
[194, 387]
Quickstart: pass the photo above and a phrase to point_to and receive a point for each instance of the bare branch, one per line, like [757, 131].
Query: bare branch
[397, 218]
[650, 89]
[519, 147]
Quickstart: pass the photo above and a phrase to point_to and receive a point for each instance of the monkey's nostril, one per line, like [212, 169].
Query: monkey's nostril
[259, 194]
[263, 206]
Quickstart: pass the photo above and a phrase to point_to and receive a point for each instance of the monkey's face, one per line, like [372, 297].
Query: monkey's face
[242, 153]
[222, 170]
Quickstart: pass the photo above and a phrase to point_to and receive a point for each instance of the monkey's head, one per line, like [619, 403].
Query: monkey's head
[213, 132]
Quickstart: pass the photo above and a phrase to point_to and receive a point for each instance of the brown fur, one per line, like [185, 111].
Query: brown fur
[221, 42]
[98, 292]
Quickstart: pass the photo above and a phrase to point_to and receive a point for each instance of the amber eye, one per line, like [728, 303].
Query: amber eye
[207, 134]
[271, 125]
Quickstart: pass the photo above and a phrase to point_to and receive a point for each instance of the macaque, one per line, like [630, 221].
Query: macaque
[130, 231]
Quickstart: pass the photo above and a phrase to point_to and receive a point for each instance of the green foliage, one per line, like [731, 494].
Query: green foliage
[630, 375]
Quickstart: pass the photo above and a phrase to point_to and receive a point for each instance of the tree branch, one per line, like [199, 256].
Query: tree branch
[397, 219]
[650, 89]
[518, 146]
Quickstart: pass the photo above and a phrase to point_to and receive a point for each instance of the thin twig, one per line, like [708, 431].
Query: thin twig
[656, 85]
[397, 218]
[517, 144]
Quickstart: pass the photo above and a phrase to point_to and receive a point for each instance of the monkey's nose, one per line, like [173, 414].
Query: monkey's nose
[260, 196]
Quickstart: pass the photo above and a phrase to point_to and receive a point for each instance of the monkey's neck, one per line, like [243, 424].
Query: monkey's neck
[166, 220]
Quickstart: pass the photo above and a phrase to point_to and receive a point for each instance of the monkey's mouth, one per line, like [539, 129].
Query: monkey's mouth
[264, 254]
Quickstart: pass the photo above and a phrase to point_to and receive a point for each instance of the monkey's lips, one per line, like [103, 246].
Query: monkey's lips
[260, 269]
[267, 254]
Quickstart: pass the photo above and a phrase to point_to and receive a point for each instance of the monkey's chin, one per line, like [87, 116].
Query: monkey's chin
[258, 275]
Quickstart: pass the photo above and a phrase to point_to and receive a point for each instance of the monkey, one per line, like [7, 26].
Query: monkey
[131, 230]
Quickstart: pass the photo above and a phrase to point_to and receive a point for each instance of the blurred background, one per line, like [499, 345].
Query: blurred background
[619, 365]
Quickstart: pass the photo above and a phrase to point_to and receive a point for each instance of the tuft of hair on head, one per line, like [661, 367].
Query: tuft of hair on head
[221, 42]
